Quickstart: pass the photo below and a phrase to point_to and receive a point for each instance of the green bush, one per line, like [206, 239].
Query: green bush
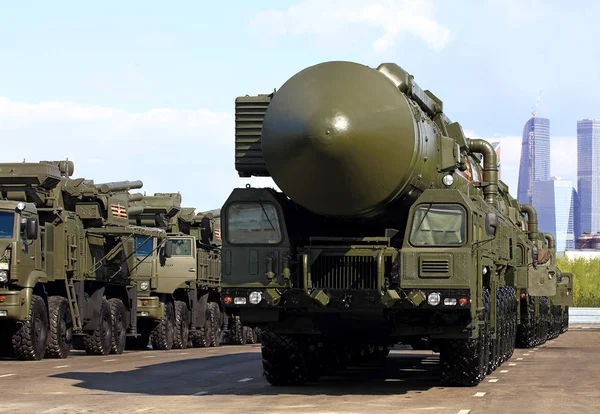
[586, 280]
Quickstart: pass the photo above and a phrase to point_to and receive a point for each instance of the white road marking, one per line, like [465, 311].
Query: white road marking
[201, 393]
[504, 371]
[493, 380]
[183, 353]
[525, 354]
[109, 360]
[512, 364]
[464, 411]
[245, 379]
[479, 394]
[393, 380]
[519, 359]
[536, 349]
[142, 410]
[150, 356]
[6, 375]
[61, 366]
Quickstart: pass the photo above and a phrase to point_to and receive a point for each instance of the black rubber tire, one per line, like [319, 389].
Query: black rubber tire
[201, 337]
[162, 335]
[30, 338]
[283, 359]
[237, 333]
[526, 328]
[513, 321]
[251, 335]
[61, 330]
[118, 315]
[215, 323]
[381, 352]
[462, 362]
[99, 342]
[182, 325]
[565, 320]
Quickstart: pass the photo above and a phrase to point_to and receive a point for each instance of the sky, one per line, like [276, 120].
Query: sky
[146, 89]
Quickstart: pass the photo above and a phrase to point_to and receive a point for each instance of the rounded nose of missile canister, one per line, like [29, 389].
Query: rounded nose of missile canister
[338, 138]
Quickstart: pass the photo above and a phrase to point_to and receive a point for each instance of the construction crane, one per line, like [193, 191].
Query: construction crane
[531, 149]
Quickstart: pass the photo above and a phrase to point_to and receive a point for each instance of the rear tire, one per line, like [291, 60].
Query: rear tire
[61, 329]
[182, 325]
[215, 322]
[118, 314]
[30, 338]
[237, 333]
[99, 341]
[251, 336]
[162, 334]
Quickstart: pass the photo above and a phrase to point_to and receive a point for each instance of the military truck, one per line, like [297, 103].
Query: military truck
[179, 301]
[66, 261]
[391, 226]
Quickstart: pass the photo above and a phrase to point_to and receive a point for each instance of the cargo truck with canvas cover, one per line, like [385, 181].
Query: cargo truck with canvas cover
[391, 226]
[66, 262]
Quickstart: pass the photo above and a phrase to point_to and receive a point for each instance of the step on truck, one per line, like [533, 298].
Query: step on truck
[179, 299]
[66, 262]
[390, 226]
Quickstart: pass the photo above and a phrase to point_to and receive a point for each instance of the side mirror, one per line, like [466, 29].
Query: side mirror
[31, 229]
[534, 254]
[168, 249]
[491, 222]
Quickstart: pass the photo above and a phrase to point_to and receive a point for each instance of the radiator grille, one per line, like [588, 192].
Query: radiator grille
[434, 268]
[344, 272]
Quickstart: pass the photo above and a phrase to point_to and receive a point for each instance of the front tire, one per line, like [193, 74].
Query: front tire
[284, 362]
[162, 334]
[182, 325]
[118, 314]
[29, 340]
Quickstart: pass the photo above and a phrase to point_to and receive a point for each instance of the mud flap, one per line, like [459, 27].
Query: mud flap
[564, 291]
[541, 282]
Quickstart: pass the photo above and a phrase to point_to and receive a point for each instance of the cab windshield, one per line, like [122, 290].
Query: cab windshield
[253, 223]
[143, 245]
[438, 225]
[7, 221]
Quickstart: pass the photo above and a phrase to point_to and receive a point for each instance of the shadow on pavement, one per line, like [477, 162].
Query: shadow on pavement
[241, 374]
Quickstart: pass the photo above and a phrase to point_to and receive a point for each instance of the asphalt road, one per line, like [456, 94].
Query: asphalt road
[561, 376]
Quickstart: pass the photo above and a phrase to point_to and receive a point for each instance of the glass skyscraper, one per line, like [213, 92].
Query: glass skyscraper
[535, 157]
[588, 174]
[556, 203]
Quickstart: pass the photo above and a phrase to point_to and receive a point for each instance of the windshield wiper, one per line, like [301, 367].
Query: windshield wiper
[266, 215]
[424, 215]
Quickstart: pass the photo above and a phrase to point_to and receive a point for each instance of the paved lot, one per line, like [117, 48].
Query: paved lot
[559, 377]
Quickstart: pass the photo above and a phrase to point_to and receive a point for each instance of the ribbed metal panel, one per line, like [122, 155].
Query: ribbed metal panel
[249, 115]
[344, 272]
[434, 268]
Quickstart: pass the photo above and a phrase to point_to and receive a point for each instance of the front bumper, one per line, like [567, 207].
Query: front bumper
[14, 304]
[150, 307]
[345, 300]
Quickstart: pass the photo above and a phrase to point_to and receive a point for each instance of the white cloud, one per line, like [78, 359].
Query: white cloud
[343, 17]
[170, 150]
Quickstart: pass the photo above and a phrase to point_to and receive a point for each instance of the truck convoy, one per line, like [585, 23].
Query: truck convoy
[179, 299]
[67, 262]
[391, 226]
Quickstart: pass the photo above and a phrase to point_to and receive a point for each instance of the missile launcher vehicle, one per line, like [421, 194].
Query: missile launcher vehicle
[179, 301]
[391, 226]
[66, 262]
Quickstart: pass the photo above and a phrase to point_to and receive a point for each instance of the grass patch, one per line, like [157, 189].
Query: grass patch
[586, 280]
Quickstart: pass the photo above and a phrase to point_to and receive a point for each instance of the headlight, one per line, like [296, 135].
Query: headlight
[434, 299]
[144, 285]
[255, 297]
[448, 180]
[3, 276]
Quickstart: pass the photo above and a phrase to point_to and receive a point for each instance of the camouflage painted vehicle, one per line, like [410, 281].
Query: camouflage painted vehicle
[66, 262]
[391, 226]
[179, 300]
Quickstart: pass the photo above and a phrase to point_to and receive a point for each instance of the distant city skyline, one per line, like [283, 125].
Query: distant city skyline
[535, 157]
[588, 174]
